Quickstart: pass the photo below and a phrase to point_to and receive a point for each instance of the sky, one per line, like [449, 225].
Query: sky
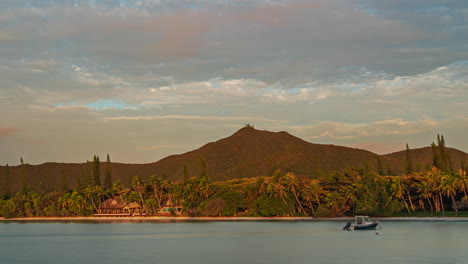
[141, 80]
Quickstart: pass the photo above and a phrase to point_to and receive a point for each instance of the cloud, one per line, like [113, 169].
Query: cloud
[157, 147]
[7, 131]
[147, 73]
[191, 117]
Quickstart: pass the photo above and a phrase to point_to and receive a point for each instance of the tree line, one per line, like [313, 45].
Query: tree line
[437, 189]
[282, 194]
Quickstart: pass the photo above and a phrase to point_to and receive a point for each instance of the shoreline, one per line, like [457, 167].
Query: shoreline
[221, 219]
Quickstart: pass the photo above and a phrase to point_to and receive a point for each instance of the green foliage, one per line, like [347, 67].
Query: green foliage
[233, 203]
[408, 160]
[323, 211]
[354, 191]
[186, 176]
[203, 168]
[108, 175]
[214, 207]
[380, 169]
[267, 205]
[23, 177]
[96, 171]
[7, 184]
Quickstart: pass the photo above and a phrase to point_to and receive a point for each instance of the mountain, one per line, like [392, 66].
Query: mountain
[246, 153]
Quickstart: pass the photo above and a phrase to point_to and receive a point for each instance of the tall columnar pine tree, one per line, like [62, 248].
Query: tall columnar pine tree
[202, 168]
[186, 176]
[79, 182]
[23, 180]
[108, 176]
[441, 158]
[408, 160]
[389, 170]
[448, 160]
[97, 171]
[64, 181]
[380, 169]
[435, 156]
[88, 178]
[7, 184]
[463, 165]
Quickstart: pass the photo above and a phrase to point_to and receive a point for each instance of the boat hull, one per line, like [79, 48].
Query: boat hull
[372, 226]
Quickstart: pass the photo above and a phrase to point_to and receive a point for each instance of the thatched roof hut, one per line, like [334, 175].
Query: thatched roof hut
[115, 202]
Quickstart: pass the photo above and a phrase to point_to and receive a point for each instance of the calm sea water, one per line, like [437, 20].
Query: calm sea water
[232, 242]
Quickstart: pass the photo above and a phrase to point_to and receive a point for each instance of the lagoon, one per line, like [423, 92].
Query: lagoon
[275, 242]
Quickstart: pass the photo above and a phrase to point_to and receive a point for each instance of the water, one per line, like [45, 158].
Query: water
[232, 242]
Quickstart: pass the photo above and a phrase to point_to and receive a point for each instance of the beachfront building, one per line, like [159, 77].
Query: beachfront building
[116, 206]
[170, 209]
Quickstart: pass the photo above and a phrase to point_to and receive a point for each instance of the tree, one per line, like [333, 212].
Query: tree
[449, 188]
[409, 161]
[186, 176]
[7, 184]
[233, 203]
[293, 186]
[202, 168]
[398, 191]
[108, 175]
[425, 191]
[23, 180]
[435, 182]
[64, 181]
[380, 169]
[267, 205]
[97, 171]
[462, 181]
[87, 174]
[158, 186]
[138, 184]
[435, 156]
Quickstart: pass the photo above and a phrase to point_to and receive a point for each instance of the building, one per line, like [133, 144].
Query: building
[117, 207]
[170, 209]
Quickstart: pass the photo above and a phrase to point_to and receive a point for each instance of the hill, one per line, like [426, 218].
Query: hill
[246, 153]
[422, 157]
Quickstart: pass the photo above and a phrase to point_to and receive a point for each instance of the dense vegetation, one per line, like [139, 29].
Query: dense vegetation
[353, 191]
[282, 194]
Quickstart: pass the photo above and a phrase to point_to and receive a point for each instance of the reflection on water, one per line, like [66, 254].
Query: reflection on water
[232, 242]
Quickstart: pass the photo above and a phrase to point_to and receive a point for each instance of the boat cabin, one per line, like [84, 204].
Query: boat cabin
[362, 219]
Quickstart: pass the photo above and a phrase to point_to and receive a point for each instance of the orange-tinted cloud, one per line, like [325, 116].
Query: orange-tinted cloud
[179, 35]
[7, 131]
[378, 147]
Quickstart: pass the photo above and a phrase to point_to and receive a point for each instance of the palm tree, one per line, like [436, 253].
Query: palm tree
[293, 185]
[261, 185]
[89, 192]
[138, 184]
[204, 188]
[350, 193]
[398, 191]
[157, 189]
[462, 181]
[278, 190]
[449, 188]
[425, 190]
[435, 182]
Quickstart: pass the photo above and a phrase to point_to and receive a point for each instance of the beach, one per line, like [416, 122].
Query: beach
[211, 219]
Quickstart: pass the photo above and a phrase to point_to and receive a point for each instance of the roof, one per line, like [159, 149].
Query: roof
[133, 205]
[113, 203]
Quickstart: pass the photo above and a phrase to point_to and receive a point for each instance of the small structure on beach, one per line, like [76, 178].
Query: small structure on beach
[117, 207]
[170, 209]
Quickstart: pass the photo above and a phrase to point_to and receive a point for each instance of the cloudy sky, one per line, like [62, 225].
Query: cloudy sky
[141, 80]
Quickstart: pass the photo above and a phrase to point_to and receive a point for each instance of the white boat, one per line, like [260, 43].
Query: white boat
[361, 222]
